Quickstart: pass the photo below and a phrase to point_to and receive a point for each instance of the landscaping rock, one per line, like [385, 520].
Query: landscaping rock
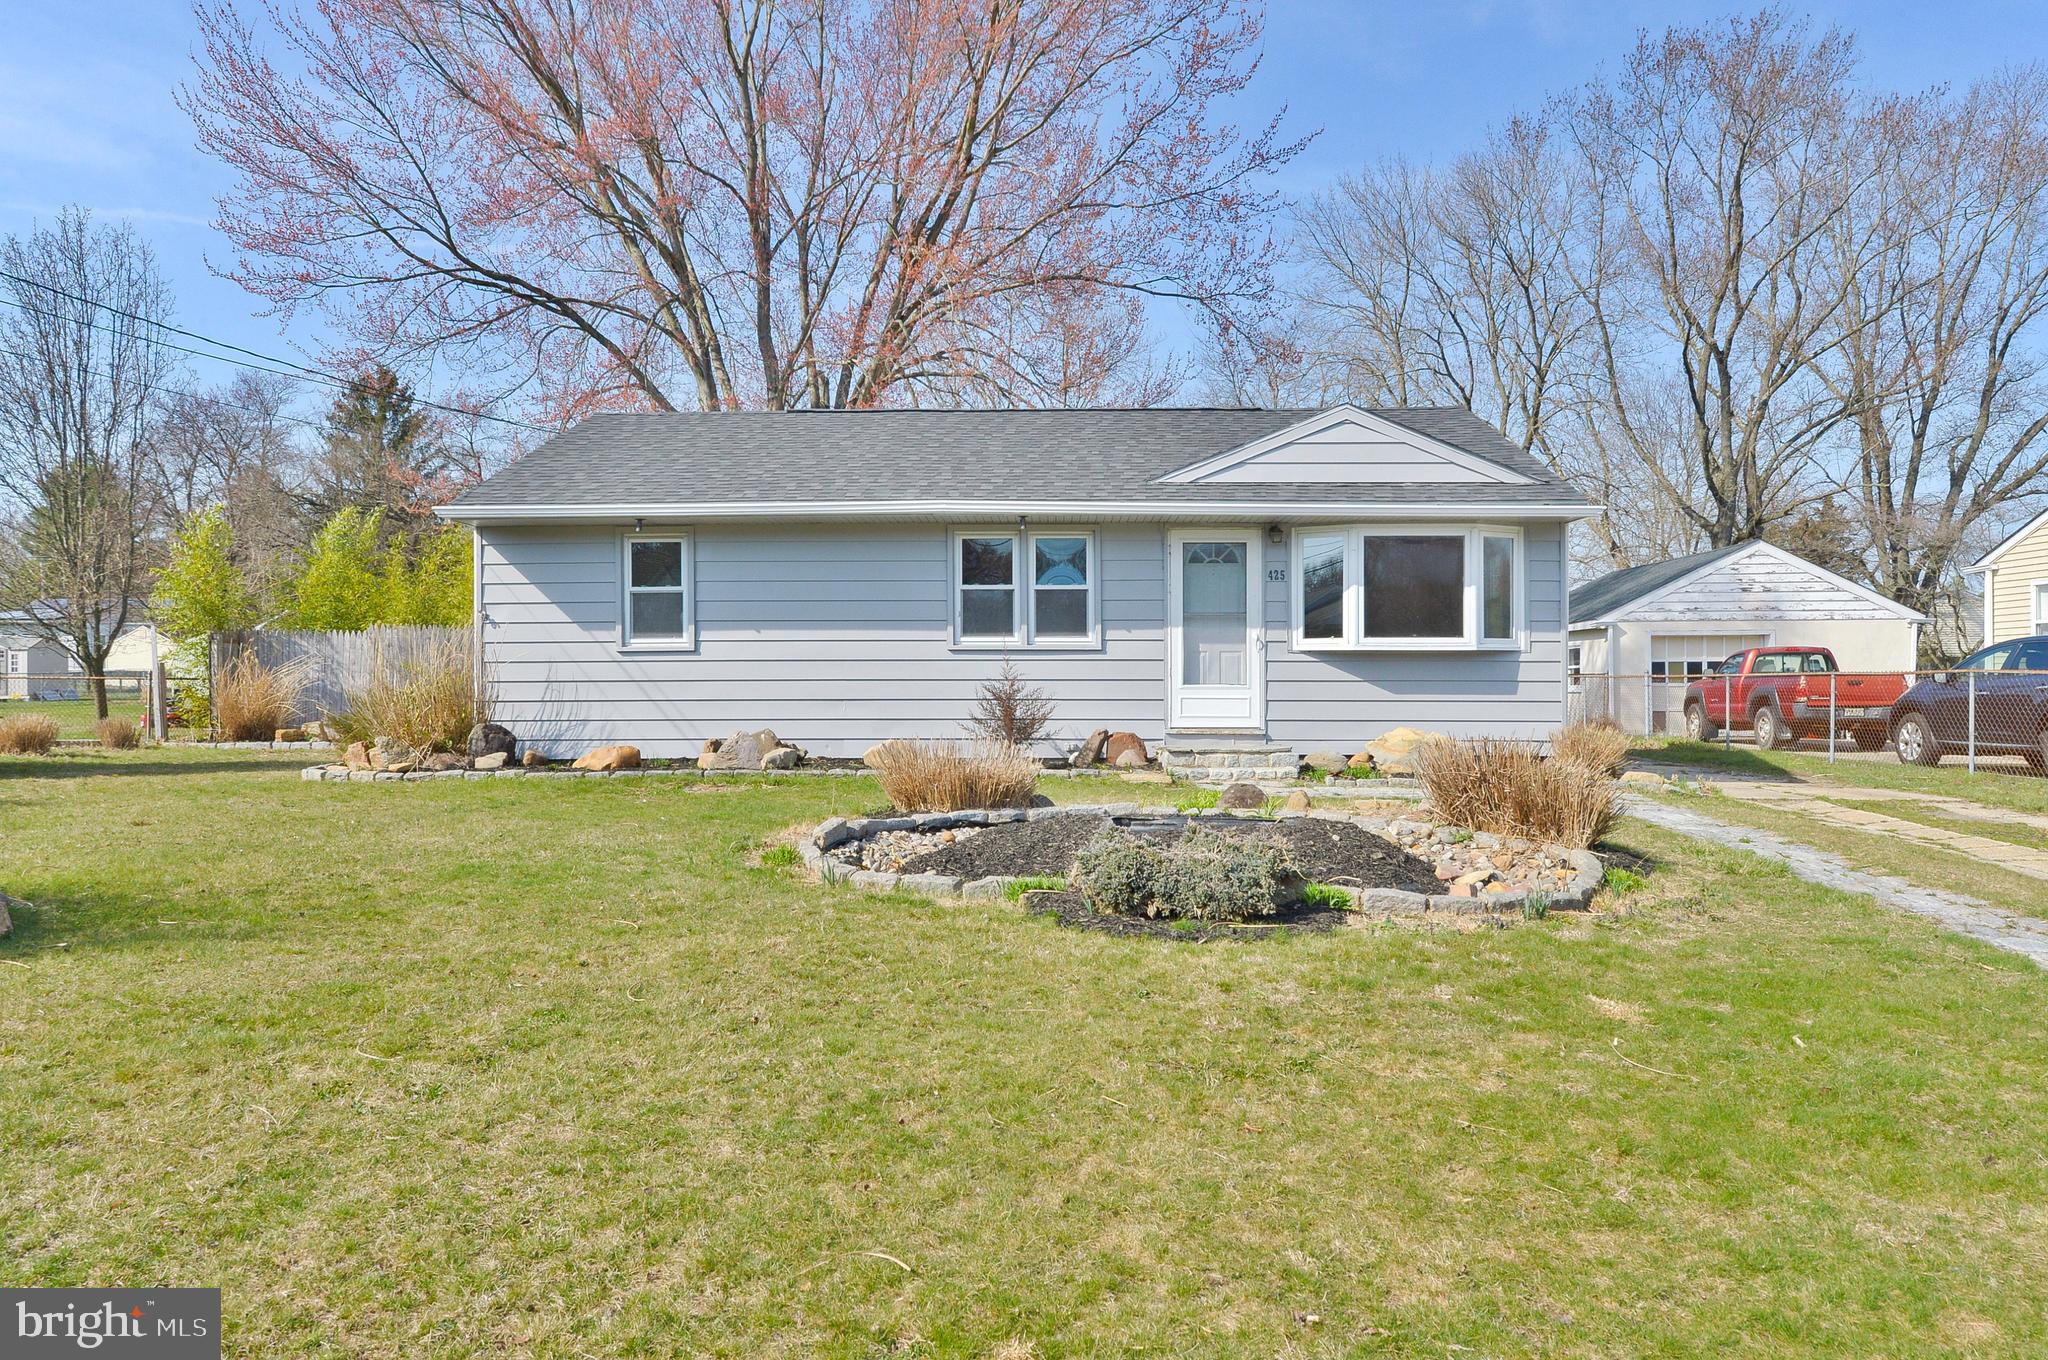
[1297, 801]
[1121, 744]
[1091, 749]
[357, 756]
[606, 758]
[1130, 760]
[289, 734]
[6, 921]
[489, 739]
[1362, 761]
[1329, 762]
[782, 758]
[1240, 797]
[1643, 777]
[440, 762]
[533, 759]
[399, 767]
[496, 760]
[740, 751]
[1395, 751]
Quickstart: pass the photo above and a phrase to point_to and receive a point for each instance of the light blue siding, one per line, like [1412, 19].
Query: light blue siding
[839, 636]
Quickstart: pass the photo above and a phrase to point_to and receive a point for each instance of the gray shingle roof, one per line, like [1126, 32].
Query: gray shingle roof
[678, 459]
[1618, 589]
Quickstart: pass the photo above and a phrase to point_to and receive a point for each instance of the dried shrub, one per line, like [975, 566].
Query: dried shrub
[119, 734]
[1010, 712]
[1206, 876]
[1597, 745]
[27, 734]
[252, 700]
[427, 702]
[943, 776]
[1507, 788]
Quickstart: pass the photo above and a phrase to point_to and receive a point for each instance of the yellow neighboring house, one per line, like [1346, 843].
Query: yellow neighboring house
[2016, 583]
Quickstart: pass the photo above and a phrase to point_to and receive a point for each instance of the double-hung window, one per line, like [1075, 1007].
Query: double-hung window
[1407, 588]
[1028, 589]
[657, 605]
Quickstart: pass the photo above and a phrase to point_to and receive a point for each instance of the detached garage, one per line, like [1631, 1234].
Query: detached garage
[1640, 634]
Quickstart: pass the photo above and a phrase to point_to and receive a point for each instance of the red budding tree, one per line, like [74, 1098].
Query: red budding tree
[732, 203]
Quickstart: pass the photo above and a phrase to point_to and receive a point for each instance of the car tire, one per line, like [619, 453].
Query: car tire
[1771, 733]
[1698, 726]
[1914, 740]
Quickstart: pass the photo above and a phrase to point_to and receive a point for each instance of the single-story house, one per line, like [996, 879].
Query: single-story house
[31, 665]
[2016, 583]
[1638, 635]
[1243, 578]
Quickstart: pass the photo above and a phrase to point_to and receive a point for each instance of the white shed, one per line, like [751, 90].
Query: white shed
[1637, 635]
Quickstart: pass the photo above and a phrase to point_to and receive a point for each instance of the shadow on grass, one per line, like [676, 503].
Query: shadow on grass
[1732, 759]
[81, 766]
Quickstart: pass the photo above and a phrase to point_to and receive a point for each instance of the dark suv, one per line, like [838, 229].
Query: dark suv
[1932, 719]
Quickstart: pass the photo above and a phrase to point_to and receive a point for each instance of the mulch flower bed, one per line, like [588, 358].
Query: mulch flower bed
[1071, 909]
[1326, 851]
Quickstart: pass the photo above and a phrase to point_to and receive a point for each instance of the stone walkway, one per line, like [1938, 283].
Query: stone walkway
[2023, 935]
[1822, 803]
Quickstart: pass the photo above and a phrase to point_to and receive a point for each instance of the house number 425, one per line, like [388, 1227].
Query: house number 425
[1276, 573]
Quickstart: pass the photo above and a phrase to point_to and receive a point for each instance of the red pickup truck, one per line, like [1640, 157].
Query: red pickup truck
[1784, 694]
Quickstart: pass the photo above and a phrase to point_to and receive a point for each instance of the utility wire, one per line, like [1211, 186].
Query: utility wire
[298, 370]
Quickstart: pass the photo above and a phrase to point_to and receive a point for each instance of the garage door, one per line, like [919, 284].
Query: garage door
[1677, 658]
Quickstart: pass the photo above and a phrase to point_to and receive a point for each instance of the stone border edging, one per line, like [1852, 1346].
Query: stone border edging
[1588, 871]
[7, 920]
[340, 774]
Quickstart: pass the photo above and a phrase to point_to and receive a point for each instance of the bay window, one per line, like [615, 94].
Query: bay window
[1025, 589]
[1407, 588]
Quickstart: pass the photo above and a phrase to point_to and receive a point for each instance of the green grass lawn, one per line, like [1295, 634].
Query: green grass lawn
[2009, 788]
[550, 1069]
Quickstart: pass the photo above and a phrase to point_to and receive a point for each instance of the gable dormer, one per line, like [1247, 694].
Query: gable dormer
[1347, 445]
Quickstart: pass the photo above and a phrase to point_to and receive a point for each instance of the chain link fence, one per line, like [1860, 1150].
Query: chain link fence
[1982, 718]
[71, 701]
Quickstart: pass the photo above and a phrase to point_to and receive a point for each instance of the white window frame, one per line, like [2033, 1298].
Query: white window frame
[1024, 585]
[2037, 593]
[687, 640]
[1467, 640]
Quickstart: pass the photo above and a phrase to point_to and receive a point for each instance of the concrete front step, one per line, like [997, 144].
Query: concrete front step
[1236, 762]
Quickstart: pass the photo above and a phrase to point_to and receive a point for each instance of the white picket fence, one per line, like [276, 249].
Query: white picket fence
[337, 663]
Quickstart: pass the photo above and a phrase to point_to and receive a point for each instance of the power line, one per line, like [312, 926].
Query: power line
[299, 370]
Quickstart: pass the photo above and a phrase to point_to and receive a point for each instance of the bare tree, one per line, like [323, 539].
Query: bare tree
[80, 374]
[1727, 159]
[736, 202]
[1941, 355]
[235, 446]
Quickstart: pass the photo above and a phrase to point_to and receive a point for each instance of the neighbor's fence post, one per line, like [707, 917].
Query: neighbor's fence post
[1834, 694]
[1972, 724]
[1727, 712]
[1649, 691]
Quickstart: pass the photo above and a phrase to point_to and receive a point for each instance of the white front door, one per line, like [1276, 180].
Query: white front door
[1215, 647]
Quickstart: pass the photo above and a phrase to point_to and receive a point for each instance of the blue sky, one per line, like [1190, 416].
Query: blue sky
[87, 113]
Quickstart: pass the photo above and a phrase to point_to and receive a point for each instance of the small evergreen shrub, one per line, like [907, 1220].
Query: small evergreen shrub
[1118, 872]
[1206, 876]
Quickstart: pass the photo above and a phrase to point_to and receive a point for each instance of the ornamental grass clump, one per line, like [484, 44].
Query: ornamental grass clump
[427, 701]
[119, 734]
[1507, 788]
[1206, 876]
[252, 700]
[27, 734]
[1597, 745]
[945, 776]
